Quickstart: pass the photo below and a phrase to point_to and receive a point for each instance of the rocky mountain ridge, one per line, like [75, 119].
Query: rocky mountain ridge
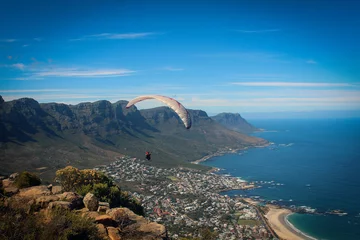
[49, 136]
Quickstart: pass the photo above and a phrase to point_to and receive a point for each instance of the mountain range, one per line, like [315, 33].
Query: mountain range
[48, 136]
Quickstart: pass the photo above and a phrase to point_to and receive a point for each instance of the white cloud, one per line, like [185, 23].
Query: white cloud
[39, 72]
[30, 78]
[84, 73]
[115, 36]
[20, 66]
[290, 84]
[38, 39]
[26, 45]
[259, 31]
[173, 69]
[8, 40]
[311, 61]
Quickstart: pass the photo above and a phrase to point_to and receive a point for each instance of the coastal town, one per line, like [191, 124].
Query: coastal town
[186, 200]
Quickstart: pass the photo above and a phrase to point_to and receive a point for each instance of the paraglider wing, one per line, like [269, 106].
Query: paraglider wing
[172, 103]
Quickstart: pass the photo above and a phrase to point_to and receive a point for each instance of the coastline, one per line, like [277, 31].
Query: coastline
[278, 220]
[222, 152]
[297, 230]
[276, 217]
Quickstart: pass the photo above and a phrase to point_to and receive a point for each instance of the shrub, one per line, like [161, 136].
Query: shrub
[84, 189]
[69, 178]
[66, 225]
[16, 224]
[72, 178]
[87, 180]
[60, 224]
[127, 201]
[26, 179]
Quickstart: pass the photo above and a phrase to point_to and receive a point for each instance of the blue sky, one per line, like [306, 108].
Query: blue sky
[233, 56]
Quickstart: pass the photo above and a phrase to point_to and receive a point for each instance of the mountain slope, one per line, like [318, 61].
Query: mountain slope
[235, 122]
[49, 136]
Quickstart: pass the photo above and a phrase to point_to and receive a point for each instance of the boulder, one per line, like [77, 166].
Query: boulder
[113, 233]
[91, 202]
[7, 183]
[56, 189]
[102, 230]
[106, 204]
[9, 191]
[102, 208]
[81, 211]
[124, 217]
[90, 214]
[152, 228]
[13, 176]
[34, 192]
[104, 219]
[60, 204]
[120, 213]
[75, 199]
[129, 221]
[44, 201]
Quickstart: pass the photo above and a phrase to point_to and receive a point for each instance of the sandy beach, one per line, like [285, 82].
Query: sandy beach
[224, 151]
[251, 201]
[218, 153]
[278, 222]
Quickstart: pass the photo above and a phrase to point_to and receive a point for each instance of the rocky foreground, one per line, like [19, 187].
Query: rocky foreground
[112, 223]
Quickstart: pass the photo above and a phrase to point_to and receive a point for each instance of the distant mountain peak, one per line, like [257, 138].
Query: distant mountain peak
[235, 122]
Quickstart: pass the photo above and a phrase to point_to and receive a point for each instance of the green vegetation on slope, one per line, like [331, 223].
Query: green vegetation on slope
[26, 179]
[58, 224]
[88, 180]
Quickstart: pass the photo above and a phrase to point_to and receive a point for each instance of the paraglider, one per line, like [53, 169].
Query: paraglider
[172, 103]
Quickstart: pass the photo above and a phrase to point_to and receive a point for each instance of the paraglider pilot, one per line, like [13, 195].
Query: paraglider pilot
[148, 156]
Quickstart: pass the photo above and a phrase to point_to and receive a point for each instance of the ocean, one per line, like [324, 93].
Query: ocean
[313, 163]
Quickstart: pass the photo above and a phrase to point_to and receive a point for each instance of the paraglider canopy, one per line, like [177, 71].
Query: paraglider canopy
[172, 103]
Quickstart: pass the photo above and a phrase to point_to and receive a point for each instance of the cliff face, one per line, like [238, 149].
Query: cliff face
[235, 122]
[52, 135]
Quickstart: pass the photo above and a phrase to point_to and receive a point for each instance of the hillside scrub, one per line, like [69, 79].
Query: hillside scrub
[58, 224]
[97, 183]
[27, 179]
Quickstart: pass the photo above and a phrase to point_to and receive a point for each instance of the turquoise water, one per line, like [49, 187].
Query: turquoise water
[314, 163]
